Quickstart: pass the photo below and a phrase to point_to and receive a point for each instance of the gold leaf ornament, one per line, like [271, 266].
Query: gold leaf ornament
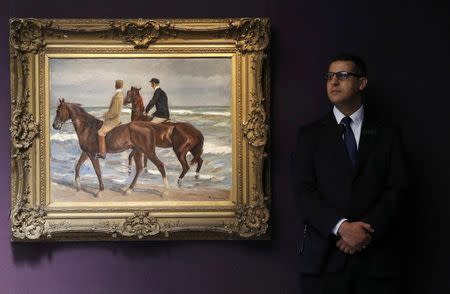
[23, 129]
[252, 34]
[252, 219]
[141, 32]
[256, 128]
[28, 222]
[140, 225]
[27, 35]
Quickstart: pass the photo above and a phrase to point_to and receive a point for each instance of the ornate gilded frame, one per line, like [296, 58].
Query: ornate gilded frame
[34, 41]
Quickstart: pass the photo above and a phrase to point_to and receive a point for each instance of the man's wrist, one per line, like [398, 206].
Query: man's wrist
[336, 229]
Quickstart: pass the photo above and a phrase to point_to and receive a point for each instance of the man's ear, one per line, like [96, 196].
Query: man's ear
[362, 83]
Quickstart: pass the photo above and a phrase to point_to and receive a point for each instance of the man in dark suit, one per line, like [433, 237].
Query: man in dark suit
[350, 177]
[159, 100]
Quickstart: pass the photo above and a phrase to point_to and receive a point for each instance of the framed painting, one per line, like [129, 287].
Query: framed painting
[137, 129]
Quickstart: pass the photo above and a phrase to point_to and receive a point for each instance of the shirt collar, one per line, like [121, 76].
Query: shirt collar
[156, 87]
[357, 116]
[119, 90]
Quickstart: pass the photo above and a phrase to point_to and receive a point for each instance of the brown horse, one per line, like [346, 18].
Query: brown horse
[181, 136]
[139, 136]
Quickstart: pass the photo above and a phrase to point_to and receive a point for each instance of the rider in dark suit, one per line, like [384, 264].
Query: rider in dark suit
[350, 180]
[160, 101]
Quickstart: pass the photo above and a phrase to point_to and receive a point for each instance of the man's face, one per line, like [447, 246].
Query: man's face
[344, 91]
[153, 85]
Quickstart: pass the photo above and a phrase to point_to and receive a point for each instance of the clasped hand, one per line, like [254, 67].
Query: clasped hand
[355, 236]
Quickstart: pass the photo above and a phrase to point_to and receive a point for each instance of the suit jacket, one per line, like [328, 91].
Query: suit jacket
[160, 101]
[112, 116]
[330, 188]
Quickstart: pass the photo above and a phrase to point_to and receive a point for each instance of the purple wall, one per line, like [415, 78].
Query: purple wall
[406, 47]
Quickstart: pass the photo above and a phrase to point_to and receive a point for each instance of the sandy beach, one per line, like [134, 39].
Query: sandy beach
[142, 192]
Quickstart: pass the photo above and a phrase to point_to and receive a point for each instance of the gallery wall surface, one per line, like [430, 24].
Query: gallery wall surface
[406, 47]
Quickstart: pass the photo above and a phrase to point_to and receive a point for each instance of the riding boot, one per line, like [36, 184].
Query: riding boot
[101, 147]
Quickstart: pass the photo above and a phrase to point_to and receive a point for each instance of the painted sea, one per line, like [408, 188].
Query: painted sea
[213, 121]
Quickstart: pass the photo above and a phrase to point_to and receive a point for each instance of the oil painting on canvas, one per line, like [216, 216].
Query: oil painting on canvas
[193, 141]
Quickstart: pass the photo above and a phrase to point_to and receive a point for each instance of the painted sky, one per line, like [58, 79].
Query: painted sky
[187, 81]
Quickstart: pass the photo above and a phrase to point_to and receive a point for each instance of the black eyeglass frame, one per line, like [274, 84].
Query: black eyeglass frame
[341, 75]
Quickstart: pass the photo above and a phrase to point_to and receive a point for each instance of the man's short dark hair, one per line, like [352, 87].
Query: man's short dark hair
[360, 65]
[154, 80]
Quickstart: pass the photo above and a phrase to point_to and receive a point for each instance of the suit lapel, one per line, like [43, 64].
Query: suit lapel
[366, 140]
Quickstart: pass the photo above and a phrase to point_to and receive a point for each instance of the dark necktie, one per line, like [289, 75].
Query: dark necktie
[349, 139]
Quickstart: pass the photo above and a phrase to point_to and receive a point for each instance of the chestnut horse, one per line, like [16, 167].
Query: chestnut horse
[181, 136]
[139, 136]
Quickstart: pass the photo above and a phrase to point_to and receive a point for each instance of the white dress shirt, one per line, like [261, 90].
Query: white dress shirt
[357, 119]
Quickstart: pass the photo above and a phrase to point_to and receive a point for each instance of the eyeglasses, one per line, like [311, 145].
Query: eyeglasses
[341, 75]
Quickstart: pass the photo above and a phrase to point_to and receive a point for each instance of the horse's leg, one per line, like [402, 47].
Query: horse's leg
[181, 150]
[199, 166]
[129, 161]
[197, 151]
[182, 158]
[98, 171]
[153, 158]
[80, 162]
[142, 137]
[145, 163]
[138, 162]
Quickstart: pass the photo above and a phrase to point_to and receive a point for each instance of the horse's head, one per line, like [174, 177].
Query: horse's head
[131, 95]
[62, 114]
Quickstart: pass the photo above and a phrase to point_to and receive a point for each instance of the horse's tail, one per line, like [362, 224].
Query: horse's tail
[197, 150]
